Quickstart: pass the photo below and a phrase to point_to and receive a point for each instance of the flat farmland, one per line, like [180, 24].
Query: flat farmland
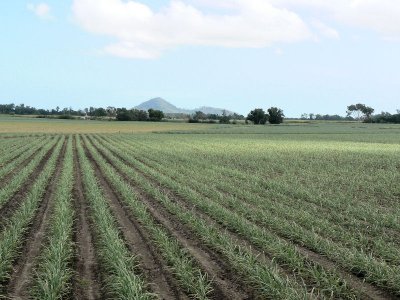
[305, 211]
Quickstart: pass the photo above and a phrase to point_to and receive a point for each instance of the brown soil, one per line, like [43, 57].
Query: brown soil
[226, 285]
[368, 291]
[15, 201]
[18, 286]
[152, 265]
[86, 282]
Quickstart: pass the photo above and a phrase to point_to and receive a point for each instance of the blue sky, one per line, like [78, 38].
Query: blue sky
[303, 56]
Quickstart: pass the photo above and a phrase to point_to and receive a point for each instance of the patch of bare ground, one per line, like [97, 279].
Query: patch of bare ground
[86, 282]
[366, 290]
[15, 201]
[20, 280]
[152, 265]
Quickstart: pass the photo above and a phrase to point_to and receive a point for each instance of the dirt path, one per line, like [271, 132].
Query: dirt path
[226, 285]
[21, 276]
[152, 264]
[366, 290]
[14, 202]
[86, 283]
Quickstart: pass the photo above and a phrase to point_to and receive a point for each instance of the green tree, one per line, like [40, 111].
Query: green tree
[257, 116]
[361, 110]
[155, 115]
[275, 115]
[199, 115]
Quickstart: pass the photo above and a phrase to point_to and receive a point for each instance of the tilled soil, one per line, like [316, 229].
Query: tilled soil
[22, 275]
[366, 290]
[86, 282]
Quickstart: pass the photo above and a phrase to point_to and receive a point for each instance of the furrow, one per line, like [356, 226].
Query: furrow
[22, 274]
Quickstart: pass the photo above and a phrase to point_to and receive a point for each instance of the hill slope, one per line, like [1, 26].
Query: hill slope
[168, 108]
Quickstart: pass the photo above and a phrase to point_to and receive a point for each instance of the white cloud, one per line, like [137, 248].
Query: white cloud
[141, 32]
[42, 10]
[325, 30]
[381, 16]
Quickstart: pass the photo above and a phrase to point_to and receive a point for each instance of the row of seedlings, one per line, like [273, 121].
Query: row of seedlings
[267, 280]
[54, 272]
[12, 236]
[121, 278]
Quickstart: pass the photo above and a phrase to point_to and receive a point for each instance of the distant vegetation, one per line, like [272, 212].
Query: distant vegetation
[357, 112]
[258, 116]
[159, 109]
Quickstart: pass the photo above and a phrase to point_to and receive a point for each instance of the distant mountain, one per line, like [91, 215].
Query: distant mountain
[213, 110]
[168, 108]
[161, 104]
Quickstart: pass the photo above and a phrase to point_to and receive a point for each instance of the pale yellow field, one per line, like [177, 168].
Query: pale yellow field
[32, 125]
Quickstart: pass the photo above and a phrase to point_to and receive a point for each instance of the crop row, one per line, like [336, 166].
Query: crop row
[266, 279]
[120, 267]
[12, 236]
[15, 183]
[334, 210]
[316, 171]
[54, 272]
[17, 157]
[377, 272]
[368, 238]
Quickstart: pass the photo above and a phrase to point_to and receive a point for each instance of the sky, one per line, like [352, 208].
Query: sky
[304, 56]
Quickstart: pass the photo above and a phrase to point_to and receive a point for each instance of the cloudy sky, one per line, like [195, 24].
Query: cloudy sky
[301, 55]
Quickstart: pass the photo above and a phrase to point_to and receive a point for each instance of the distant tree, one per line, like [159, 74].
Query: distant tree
[224, 119]
[140, 115]
[360, 109]
[111, 112]
[199, 115]
[123, 115]
[275, 115]
[155, 115]
[100, 112]
[385, 117]
[257, 116]
[236, 116]
[212, 116]
[304, 116]
[7, 108]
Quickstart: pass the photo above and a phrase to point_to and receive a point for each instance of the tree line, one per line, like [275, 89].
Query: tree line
[273, 115]
[357, 112]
